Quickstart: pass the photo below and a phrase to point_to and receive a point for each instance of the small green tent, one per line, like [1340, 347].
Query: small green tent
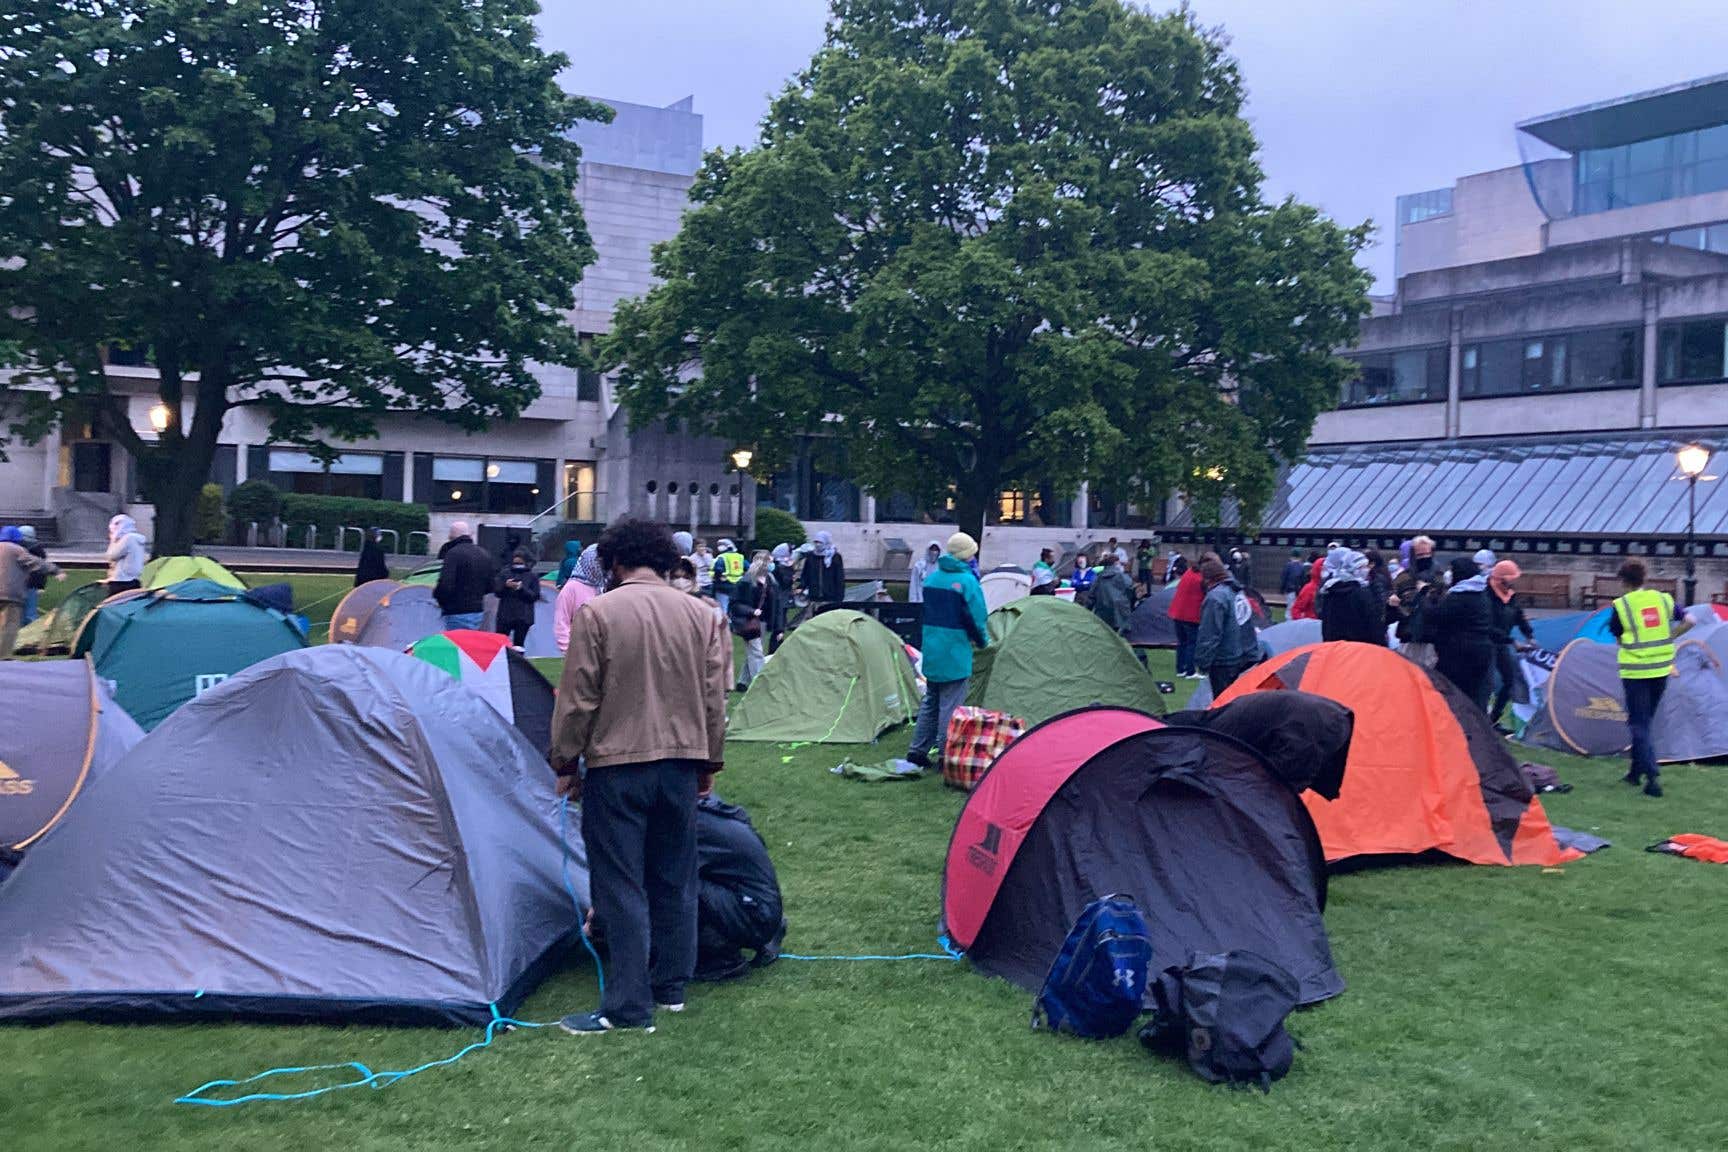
[161, 647]
[840, 679]
[1048, 656]
[52, 632]
[166, 570]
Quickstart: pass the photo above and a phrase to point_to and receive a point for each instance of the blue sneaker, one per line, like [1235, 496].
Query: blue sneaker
[593, 1023]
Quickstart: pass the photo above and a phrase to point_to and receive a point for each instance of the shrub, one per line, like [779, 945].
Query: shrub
[332, 513]
[776, 527]
[207, 527]
[255, 500]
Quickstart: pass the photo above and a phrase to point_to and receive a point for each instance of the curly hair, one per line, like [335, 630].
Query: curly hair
[637, 543]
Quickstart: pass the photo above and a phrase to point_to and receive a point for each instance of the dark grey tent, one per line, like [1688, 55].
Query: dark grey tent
[1151, 626]
[340, 832]
[62, 730]
[386, 614]
[1583, 710]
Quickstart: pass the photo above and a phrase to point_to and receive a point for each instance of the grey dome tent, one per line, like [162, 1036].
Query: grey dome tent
[1150, 626]
[540, 642]
[386, 614]
[338, 833]
[74, 734]
[1583, 710]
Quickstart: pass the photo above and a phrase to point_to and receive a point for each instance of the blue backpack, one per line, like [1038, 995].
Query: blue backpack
[1098, 981]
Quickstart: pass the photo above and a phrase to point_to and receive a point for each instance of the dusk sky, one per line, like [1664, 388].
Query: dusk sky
[1354, 101]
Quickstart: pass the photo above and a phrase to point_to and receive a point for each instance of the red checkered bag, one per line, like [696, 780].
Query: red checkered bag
[976, 736]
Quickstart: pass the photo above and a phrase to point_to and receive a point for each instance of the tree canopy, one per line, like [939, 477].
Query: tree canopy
[325, 209]
[986, 244]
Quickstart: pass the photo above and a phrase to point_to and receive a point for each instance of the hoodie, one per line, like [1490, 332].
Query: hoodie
[127, 550]
[921, 570]
[955, 621]
[567, 566]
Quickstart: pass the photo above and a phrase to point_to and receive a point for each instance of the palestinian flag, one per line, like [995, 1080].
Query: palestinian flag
[498, 674]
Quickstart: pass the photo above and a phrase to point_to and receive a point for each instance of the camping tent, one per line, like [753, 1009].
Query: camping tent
[1277, 639]
[53, 632]
[1005, 585]
[540, 642]
[74, 733]
[166, 570]
[841, 678]
[499, 675]
[1427, 771]
[1150, 626]
[385, 614]
[1583, 709]
[1216, 850]
[161, 647]
[338, 833]
[1555, 632]
[1048, 656]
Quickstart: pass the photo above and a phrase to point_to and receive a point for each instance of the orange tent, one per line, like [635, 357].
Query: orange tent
[1426, 772]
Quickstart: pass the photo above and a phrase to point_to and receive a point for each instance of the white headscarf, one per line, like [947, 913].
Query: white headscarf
[825, 548]
[1343, 566]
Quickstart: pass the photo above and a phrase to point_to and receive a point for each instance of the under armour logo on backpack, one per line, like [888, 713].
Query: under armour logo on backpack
[1125, 977]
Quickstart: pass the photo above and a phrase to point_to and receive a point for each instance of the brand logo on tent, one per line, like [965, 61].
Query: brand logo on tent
[1601, 708]
[209, 680]
[349, 626]
[12, 784]
[982, 855]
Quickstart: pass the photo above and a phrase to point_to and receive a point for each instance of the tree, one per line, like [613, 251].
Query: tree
[986, 244]
[324, 209]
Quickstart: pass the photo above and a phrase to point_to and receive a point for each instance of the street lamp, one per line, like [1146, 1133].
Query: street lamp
[160, 417]
[741, 460]
[1693, 459]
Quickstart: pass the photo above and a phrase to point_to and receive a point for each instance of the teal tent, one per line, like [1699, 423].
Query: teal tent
[160, 647]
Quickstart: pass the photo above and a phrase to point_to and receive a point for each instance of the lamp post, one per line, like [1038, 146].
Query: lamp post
[161, 416]
[741, 460]
[1693, 459]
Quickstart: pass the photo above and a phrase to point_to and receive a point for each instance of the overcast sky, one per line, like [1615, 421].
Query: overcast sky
[1354, 101]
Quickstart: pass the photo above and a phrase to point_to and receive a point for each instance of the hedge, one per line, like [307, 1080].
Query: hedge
[211, 518]
[774, 526]
[332, 513]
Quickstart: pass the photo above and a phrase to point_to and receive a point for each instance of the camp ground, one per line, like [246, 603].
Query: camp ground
[839, 678]
[540, 643]
[1047, 656]
[1582, 709]
[503, 677]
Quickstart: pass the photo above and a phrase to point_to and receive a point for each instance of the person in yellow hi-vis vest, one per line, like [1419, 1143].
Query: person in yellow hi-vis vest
[1646, 623]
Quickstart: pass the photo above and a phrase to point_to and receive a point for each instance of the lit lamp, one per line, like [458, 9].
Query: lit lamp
[160, 417]
[1693, 459]
[741, 460]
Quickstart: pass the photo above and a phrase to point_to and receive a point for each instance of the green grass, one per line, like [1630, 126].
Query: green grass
[1488, 1008]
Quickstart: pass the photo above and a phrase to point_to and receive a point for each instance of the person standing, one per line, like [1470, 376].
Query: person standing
[921, 570]
[1295, 575]
[1485, 560]
[372, 565]
[586, 582]
[1349, 609]
[1226, 645]
[1185, 605]
[642, 707]
[785, 578]
[38, 580]
[1241, 568]
[728, 570]
[1379, 579]
[1046, 561]
[464, 579]
[1508, 616]
[1145, 561]
[1113, 594]
[955, 622]
[703, 561]
[823, 579]
[17, 567]
[1044, 582]
[1645, 623]
[567, 566]
[1173, 570]
[518, 592]
[126, 555]
[752, 614]
[1462, 626]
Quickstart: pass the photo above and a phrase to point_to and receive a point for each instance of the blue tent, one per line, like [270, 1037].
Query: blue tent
[1555, 632]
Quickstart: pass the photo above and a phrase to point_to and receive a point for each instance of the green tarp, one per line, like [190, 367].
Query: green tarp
[162, 647]
[1048, 656]
[840, 679]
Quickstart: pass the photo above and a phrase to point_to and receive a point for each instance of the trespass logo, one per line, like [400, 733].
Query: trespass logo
[12, 784]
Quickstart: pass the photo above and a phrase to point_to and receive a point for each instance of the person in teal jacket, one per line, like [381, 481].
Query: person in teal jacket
[955, 622]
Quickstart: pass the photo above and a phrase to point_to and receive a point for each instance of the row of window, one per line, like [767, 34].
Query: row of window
[1690, 352]
[446, 483]
[1647, 171]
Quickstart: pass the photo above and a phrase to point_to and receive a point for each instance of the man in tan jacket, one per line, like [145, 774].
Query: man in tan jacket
[642, 707]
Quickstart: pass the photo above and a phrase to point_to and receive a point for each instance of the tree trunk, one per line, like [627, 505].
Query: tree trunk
[176, 522]
[171, 477]
[971, 503]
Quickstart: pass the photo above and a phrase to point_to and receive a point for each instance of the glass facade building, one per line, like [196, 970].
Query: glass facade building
[1646, 171]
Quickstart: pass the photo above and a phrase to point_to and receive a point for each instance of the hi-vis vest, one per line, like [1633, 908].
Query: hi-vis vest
[1646, 634]
[731, 566]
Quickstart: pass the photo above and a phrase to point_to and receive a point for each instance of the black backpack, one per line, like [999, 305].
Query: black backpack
[1225, 1014]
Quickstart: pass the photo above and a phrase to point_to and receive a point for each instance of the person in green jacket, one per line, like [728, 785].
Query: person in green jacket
[955, 622]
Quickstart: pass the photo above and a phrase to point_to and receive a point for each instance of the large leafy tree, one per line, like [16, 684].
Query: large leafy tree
[324, 209]
[992, 243]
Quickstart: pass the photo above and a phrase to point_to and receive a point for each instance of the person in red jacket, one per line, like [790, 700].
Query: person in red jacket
[1306, 606]
[1185, 614]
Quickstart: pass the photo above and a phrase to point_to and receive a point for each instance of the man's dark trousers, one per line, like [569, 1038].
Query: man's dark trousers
[639, 826]
[1642, 699]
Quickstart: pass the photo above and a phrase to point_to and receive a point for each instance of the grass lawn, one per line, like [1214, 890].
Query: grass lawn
[1487, 1008]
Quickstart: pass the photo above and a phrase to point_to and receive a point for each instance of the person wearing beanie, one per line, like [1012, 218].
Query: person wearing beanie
[1485, 560]
[1227, 644]
[955, 622]
[27, 541]
[1507, 616]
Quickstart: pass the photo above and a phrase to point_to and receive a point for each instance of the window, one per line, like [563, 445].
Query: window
[124, 356]
[92, 466]
[587, 379]
[1401, 377]
[1011, 507]
[358, 474]
[1691, 352]
[480, 484]
[1565, 362]
[579, 492]
[1645, 171]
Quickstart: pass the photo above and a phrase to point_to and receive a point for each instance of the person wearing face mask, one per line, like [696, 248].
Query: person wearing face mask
[518, 591]
[785, 576]
[1414, 592]
[752, 610]
[1462, 626]
[683, 576]
[1508, 616]
[921, 569]
[824, 577]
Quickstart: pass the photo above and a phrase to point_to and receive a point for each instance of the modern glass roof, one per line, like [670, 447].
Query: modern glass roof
[1572, 487]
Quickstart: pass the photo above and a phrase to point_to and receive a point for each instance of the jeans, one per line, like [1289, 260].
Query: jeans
[468, 620]
[1221, 676]
[1507, 674]
[30, 612]
[1642, 699]
[753, 661]
[930, 733]
[639, 826]
[1186, 635]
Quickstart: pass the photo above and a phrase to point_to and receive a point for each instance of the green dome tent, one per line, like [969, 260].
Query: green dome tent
[840, 679]
[52, 633]
[166, 570]
[1048, 656]
[161, 647]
